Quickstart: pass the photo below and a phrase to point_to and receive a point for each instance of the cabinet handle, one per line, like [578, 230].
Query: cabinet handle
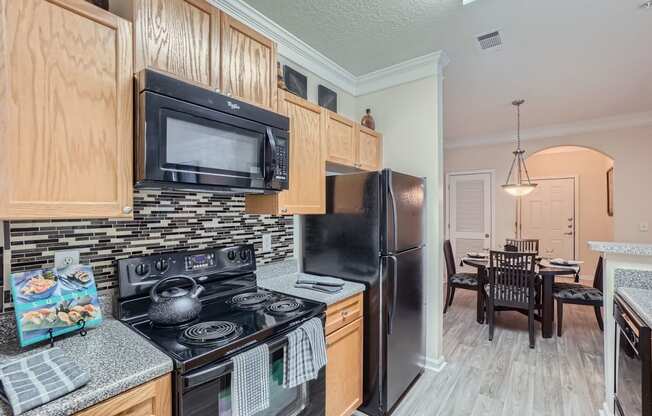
[126, 210]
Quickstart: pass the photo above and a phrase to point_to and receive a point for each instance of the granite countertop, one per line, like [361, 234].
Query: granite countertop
[116, 357]
[632, 249]
[285, 284]
[640, 300]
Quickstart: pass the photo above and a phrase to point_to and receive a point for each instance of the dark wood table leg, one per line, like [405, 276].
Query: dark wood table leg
[481, 298]
[548, 306]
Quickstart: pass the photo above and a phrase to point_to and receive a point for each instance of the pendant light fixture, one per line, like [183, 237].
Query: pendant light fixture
[522, 184]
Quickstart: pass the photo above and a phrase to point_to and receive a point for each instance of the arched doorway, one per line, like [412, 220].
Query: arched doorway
[572, 204]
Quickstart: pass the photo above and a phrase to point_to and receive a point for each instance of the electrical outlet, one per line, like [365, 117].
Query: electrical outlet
[644, 227]
[66, 258]
[267, 243]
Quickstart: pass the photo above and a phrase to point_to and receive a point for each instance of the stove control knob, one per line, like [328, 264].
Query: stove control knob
[244, 255]
[161, 266]
[231, 255]
[142, 269]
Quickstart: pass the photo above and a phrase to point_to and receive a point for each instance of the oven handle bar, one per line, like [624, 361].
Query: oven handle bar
[225, 367]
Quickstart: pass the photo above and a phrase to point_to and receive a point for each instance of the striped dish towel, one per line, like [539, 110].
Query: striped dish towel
[305, 353]
[250, 381]
[38, 379]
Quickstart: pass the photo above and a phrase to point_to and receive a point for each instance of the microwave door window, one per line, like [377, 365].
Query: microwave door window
[193, 148]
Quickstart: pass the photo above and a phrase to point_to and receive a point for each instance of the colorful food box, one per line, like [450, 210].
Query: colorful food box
[54, 299]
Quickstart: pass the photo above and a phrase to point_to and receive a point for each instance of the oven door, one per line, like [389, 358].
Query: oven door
[207, 391]
[186, 145]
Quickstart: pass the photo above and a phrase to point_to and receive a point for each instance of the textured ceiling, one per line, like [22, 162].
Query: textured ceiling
[571, 60]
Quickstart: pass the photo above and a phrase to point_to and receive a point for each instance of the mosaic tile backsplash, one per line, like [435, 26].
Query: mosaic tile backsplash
[163, 221]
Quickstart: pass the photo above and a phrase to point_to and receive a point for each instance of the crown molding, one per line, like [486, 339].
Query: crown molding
[299, 52]
[289, 45]
[632, 120]
[407, 71]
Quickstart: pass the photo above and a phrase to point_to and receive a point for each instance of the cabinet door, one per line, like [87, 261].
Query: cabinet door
[307, 192]
[340, 139]
[181, 37]
[65, 109]
[248, 64]
[344, 370]
[150, 399]
[369, 149]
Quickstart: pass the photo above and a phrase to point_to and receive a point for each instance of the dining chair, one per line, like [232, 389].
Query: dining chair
[524, 245]
[512, 285]
[577, 294]
[454, 279]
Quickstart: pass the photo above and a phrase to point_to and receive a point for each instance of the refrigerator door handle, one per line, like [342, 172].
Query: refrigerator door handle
[394, 292]
[393, 200]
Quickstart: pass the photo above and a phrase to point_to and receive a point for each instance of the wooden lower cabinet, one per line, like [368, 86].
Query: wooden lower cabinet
[344, 347]
[150, 399]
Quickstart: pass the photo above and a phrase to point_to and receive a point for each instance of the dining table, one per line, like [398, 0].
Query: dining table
[548, 274]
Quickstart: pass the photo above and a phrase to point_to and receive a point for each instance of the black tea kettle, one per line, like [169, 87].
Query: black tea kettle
[174, 305]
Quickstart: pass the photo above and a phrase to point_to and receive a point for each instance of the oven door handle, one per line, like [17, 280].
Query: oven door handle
[216, 371]
[270, 155]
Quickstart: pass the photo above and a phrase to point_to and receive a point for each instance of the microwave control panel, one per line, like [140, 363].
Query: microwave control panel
[282, 160]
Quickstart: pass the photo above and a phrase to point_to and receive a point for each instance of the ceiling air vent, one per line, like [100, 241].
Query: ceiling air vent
[490, 40]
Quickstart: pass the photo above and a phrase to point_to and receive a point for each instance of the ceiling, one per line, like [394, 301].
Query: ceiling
[570, 60]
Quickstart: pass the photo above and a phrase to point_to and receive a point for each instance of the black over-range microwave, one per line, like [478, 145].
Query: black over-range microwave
[190, 137]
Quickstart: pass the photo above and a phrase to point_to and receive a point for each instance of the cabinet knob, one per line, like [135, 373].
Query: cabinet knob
[217, 90]
[284, 210]
[126, 210]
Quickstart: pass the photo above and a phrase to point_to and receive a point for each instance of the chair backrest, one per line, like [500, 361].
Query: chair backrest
[511, 248]
[597, 279]
[512, 278]
[450, 258]
[526, 245]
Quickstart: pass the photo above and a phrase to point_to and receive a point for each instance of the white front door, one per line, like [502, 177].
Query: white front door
[469, 212]
[548, 214]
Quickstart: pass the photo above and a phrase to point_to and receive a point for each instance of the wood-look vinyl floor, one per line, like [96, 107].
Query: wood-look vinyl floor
[504, 377]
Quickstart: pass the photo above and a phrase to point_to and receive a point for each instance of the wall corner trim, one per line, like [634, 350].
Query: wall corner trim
[299, 52]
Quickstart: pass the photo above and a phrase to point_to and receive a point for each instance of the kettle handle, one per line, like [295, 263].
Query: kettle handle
[153, 293]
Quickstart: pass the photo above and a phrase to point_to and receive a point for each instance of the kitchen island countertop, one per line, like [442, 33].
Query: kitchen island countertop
[640, 300]
[116, 357]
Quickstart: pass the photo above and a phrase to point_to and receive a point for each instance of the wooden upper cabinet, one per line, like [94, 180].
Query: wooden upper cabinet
[341, 140]
[180, 37]
[248, 64]
[307, 192]
[65, 111]
[369, 149]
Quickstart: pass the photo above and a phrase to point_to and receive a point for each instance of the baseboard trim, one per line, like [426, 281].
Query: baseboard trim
[435, 365]
[605, 410]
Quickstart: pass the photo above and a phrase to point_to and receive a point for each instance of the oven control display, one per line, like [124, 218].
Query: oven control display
[200, 261]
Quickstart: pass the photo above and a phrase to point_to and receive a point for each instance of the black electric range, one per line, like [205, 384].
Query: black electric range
[236, 315]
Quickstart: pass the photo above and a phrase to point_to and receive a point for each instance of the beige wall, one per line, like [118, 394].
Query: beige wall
[590, 167]
[409, 116]
[346, 103]
[631, 150]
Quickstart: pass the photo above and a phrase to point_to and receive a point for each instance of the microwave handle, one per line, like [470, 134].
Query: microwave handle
[270, 150]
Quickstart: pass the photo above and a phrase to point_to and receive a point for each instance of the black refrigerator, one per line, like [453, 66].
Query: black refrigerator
[373, 233]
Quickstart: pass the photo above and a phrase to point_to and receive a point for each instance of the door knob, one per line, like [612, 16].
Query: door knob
[568, 233]
[570, 219]
[486, 236]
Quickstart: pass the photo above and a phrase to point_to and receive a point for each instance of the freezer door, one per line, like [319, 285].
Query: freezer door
[405, 345]
[403, 212]
[345, 241]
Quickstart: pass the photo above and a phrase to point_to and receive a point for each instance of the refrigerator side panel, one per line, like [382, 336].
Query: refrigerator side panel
[403, 212]
[345, 241]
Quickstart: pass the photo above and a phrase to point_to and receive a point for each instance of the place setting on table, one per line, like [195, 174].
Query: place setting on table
[547, 268]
